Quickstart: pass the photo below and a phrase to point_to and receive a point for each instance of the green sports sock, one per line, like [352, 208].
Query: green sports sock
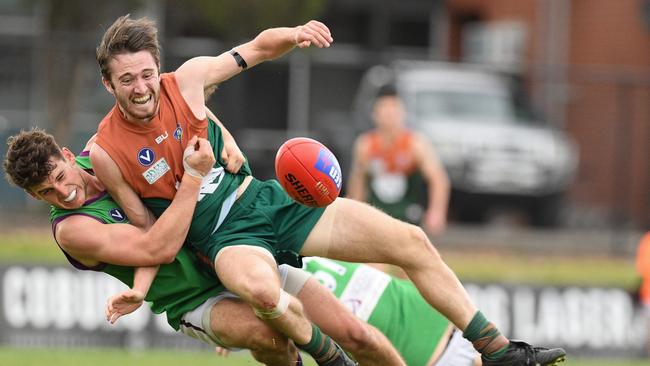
[485, 337]
[321, 347]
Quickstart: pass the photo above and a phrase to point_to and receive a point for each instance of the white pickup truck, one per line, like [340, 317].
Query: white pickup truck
[495, 152]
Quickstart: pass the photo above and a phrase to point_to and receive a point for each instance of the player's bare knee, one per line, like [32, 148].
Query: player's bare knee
[417, 249]
[258, 289]
[358, 337]
[266, 310]
[263, 298]
[417, 235]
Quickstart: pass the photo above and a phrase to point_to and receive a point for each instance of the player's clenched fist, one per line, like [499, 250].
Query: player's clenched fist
[198, 158]
[313, 33]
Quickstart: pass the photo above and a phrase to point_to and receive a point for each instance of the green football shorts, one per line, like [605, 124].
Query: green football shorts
[265, 216]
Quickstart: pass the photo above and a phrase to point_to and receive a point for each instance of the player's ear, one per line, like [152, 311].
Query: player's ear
[67, 154]
[108, 85]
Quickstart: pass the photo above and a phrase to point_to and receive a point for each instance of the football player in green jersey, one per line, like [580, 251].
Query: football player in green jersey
[421, 334]
[193, 300]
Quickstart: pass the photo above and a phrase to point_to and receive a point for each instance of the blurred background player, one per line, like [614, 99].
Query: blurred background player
[397, 170]
[643, 268]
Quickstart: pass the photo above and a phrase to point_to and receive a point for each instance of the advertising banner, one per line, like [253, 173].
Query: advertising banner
[64, 307]
[60, 306]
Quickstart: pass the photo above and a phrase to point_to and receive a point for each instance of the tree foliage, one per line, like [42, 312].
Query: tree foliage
[237, 19]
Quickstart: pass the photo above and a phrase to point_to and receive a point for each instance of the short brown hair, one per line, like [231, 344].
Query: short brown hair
[127, 35]
[27, 162]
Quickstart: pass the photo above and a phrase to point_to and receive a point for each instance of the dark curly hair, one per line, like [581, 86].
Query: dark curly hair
[27, 162]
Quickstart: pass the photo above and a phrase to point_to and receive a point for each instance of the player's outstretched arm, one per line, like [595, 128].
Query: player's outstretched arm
[275, 42]
[199, 73]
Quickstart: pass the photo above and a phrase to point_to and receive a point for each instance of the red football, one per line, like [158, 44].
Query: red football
[308, 172]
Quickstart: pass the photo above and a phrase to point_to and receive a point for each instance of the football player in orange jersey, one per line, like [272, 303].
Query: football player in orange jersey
[246, 226]
[392, 165]
[643, 268]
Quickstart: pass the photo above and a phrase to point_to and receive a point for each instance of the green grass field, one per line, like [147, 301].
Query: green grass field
[518, 268]
[22, 246]
[58, 357]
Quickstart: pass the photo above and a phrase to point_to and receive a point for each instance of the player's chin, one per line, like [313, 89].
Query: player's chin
[71, 205]
[76, 204]
[144, 110]
[142, 113]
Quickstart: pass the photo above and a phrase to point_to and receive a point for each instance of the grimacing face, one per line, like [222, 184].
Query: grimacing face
[64, 187]
[135, 83]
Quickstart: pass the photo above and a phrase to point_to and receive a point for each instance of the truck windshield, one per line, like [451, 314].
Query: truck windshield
[432, 105]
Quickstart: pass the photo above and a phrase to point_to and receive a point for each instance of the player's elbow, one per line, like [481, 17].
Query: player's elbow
[140, 258]
[164, 256]
[359, 338]
[159, 250]
[150, 256]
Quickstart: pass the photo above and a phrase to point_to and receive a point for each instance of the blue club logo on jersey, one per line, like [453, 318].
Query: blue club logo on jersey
[117, 214]
[146, 156]
[178, 132]
[328, 164]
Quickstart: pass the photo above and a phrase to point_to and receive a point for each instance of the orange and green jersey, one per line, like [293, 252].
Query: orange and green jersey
[395, 184]
[643, 268]
[150, 157]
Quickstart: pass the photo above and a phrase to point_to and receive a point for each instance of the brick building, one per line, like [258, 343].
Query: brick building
[587, 65]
